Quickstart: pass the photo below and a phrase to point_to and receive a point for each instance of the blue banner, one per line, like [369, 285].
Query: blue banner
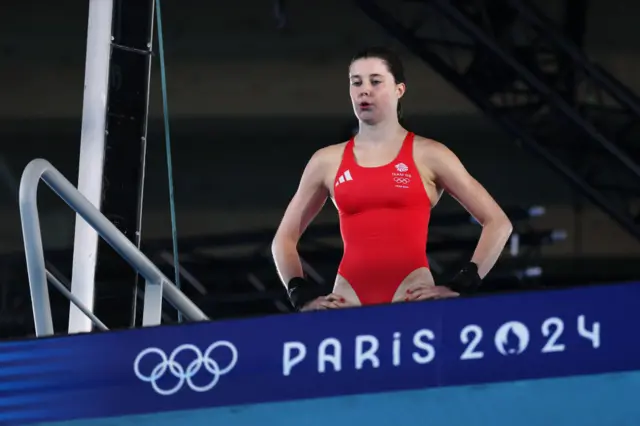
[310, 355]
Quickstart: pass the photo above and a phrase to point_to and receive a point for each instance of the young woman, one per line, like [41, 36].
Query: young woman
[384, 182]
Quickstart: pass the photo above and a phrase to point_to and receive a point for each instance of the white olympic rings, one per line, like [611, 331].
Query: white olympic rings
[179, 372]
[401, 180]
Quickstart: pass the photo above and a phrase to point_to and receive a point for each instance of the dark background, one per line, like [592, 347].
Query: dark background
[249, 103]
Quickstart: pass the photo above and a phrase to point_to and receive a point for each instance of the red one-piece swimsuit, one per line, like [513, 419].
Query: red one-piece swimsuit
[384, 218]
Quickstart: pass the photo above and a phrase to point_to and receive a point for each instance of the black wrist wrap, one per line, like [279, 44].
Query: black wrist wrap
[467, 280]
[302, 292]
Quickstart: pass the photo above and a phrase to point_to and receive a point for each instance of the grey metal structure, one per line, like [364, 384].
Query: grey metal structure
[158, 286]
[529, 77]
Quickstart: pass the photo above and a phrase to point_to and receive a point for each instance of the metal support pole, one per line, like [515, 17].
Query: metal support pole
[96, 82]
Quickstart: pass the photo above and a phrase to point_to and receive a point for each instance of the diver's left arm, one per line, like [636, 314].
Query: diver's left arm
[450, 175]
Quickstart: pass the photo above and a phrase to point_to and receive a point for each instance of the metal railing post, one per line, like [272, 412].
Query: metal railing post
[152, 308]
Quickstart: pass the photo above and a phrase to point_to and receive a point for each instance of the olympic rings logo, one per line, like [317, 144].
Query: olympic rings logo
[185, 375]
[401, 180]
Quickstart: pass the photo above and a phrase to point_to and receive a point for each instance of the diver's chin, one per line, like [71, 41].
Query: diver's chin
[368, 118]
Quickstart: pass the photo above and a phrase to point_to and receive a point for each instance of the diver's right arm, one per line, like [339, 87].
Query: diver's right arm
[302, 209]
[305, 205]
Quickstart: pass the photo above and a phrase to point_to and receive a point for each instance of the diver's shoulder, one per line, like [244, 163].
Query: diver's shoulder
[428, 145]
[331, 152]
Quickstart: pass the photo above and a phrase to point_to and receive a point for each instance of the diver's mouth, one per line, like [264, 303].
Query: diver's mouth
[365, 105]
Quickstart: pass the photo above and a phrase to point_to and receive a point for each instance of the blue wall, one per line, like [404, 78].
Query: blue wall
[599, 400]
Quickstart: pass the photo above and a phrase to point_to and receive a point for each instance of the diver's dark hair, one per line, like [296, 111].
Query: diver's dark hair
[391, 60]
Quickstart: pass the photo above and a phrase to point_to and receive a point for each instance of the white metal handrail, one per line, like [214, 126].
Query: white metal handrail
[72, 297]
[157, 284]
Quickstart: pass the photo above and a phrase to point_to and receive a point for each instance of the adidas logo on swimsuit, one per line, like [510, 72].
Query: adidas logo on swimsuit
[346, 176]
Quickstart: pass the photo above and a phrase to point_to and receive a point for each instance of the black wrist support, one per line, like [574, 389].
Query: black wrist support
[302, 292]
[467, 280]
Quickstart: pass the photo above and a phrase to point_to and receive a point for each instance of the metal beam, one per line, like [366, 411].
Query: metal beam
[126, 143]
[505, 57]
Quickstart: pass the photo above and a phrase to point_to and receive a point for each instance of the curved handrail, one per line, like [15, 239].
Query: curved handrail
[40, 169]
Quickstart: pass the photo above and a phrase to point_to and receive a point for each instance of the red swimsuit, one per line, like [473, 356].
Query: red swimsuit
[384, 218]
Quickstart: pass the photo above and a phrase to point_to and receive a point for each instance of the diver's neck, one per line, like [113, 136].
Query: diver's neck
[382, 132]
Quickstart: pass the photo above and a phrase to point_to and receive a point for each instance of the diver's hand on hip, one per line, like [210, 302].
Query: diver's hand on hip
[331, 301]
[428, 292]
